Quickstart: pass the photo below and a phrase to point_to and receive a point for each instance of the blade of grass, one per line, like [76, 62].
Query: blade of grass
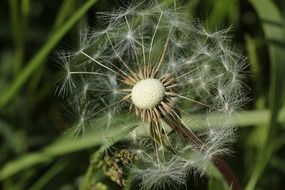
[38, 59]
[240, 119]
[66, 8]
[257, 134]
[17, 32]
[64, 12]
[251, 47]
[273, 27]
[68, 144]
[48, 175]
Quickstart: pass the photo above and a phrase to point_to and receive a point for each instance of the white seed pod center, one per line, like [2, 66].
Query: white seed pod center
[148, 93]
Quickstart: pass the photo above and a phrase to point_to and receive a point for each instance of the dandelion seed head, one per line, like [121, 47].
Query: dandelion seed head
[150, 60]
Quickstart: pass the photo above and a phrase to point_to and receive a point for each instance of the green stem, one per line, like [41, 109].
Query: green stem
[240, 119]
[65, 145]
[91, 168]
[38, 59]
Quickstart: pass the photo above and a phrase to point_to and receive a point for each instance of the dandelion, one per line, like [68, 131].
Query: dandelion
[151, 60]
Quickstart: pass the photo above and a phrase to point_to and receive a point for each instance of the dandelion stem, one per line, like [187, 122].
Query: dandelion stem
[174, 121]
[227, 172]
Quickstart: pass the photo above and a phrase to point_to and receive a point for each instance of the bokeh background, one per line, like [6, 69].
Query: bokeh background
[33, 118]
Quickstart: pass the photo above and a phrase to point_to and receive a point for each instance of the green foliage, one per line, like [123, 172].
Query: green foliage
[68, 144]
[274, 29]
[32, 137]
[36, 61]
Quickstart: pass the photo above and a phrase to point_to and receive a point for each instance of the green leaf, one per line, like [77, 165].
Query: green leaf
[274, 31]
[222, 10]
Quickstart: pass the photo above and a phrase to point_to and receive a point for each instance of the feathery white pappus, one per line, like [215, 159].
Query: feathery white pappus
[151, 59]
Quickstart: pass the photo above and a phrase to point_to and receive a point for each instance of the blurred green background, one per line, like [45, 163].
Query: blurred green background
[32, 118]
